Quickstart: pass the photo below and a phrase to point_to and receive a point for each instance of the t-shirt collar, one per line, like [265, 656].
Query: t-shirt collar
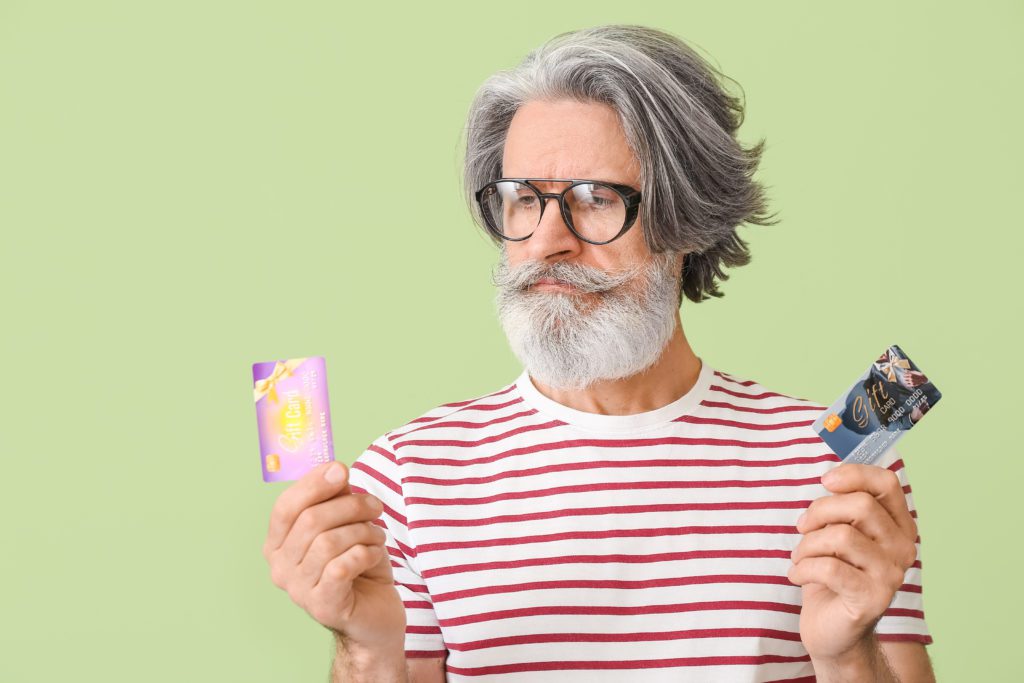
[597, 422]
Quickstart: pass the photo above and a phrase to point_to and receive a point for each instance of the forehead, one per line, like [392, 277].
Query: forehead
[568, 139]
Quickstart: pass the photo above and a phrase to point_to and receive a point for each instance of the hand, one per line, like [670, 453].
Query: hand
[325, 551]
[858, 544]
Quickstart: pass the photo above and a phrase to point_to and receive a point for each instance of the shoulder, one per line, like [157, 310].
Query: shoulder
[744, 394]
[749, 397]
[457, 416]
[381, 463]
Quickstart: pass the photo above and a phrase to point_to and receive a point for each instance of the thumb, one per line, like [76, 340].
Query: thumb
[336, 478]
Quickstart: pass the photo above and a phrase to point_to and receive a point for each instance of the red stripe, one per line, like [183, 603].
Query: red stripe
[607, 443]
[607, 533]
[492, 406]
[614, 510]
[729, 378]
[900, 637]
[393, 552]
[610, 584]
[414, 587]
[423, 630]
[423, 419]
[459, 404]
[602, 559]
[579, 610]
[620, 665]
[425, 654]
[374, 474]
[457, 443]
[462, 424]
[387, 454]
[748, 409]
[762, 395]
[903, 612]
[618, 464]
[418, 604]
[690, 419]
[409, 552]
[643, 636]
[391, 512]
[612, 486]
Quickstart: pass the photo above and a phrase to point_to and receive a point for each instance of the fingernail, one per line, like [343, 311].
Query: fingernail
[335, 473]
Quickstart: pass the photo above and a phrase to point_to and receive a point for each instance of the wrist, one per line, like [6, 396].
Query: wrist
[865, 661]
[356, 663]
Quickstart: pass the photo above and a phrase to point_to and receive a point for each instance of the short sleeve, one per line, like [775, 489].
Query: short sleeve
[904, 619]
[376, 471]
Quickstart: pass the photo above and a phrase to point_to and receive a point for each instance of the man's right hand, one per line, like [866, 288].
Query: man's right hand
[324, 550]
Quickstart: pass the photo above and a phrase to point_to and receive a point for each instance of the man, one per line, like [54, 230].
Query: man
[622, 510]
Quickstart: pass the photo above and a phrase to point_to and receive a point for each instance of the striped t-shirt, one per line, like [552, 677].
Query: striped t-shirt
[531, 541]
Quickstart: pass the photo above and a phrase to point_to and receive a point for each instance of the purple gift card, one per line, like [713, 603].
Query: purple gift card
[293, 415]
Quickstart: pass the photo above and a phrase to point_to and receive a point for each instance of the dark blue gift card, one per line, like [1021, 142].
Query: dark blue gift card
[886, 401]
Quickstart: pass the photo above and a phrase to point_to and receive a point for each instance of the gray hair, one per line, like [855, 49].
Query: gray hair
[697, 180]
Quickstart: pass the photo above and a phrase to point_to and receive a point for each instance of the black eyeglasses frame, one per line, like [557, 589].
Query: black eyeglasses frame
[630, 197]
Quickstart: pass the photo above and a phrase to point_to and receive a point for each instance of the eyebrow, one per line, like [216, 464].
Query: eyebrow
[596, 180]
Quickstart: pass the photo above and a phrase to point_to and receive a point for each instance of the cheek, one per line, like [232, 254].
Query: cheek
[515, 254]
[633, 244]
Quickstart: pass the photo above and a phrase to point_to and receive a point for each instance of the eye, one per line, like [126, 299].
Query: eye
[525, 199]
[595, 196]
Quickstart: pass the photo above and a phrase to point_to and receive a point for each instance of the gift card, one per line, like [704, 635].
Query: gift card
[882, 405]
[293, 416]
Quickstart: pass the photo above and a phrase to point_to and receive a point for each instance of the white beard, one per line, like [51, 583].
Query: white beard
[568, 343]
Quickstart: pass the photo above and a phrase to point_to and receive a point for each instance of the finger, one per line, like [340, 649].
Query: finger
[840, 577]
[844, 542]
[311, 489]
[332, 543]
[859, 509]
[880, 482]
[335, 582]
[339, 511]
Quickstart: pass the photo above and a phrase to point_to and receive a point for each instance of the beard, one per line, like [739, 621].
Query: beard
[572, 340]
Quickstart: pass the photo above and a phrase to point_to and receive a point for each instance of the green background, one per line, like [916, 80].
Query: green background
[189, 187]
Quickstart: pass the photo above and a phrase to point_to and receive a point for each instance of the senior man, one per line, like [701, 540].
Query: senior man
[621, 510]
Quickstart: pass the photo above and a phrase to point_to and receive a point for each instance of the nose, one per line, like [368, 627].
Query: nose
[552, 239]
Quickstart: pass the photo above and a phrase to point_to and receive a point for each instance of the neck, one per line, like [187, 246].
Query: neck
[672, 375]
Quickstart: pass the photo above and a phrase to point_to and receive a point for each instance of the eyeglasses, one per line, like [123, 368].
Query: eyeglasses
[595, 211]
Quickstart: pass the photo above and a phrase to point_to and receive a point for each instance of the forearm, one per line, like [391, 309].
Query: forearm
[353, 664]
[866, 662]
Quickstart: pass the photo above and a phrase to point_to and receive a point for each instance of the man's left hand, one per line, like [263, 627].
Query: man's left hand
[856, 548]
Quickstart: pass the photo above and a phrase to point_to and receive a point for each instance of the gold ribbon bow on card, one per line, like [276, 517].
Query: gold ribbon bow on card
[265, 387]
[888, 368]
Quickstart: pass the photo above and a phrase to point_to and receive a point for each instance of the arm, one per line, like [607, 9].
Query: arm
[426, 670]
[859, 545]
[419, 655]
[353, 665]
[884, 662]
[909, 660]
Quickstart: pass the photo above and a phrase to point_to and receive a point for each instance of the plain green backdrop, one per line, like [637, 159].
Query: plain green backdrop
[189, 187]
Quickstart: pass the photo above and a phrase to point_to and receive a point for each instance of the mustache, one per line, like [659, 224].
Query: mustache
[582, 277]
